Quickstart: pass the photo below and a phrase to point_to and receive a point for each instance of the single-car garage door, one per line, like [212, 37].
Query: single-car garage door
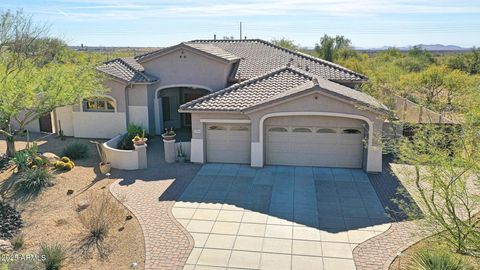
[315, 146]
[228, 143]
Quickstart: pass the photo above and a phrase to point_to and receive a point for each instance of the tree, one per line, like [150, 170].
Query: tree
[417, 59]
[446, 175]
[35, 75]
[286, 43]
[330, 47]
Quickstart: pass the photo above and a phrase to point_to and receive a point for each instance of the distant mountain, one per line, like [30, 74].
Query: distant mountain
[428, 47]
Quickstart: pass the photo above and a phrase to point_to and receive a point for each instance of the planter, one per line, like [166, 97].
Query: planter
[168, 137]
[140, 142]
[105, 167]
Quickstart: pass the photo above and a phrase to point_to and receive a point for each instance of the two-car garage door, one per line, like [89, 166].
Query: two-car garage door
[314, 146]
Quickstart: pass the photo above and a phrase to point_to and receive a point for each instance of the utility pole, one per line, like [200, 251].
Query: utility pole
[240, 30]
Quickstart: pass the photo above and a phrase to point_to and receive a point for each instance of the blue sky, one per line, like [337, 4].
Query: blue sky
[368, 23]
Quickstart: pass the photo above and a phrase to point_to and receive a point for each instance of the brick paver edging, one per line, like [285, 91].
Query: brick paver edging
[167, 243]
[379, 252]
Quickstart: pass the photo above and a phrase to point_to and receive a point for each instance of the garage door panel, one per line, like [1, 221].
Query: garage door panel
[315, 146]
[228, 143]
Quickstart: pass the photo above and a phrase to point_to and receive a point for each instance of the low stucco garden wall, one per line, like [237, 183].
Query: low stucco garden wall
[185, 147]
[123, 159]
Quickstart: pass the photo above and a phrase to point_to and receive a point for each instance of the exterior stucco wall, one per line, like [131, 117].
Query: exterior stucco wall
[194, 69]
[313, 102]
[98, 124]
[138, 111]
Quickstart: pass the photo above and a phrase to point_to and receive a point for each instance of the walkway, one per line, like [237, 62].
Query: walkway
[150, 194]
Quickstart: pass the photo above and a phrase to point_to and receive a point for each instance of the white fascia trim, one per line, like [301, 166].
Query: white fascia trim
[228, 121]
[260, 158]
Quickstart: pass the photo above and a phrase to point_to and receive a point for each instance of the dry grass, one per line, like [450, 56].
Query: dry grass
[101, 216]
[52, 217]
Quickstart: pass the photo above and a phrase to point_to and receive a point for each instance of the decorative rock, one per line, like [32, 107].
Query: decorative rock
[5, 245]
[82, 205]
[129, 217]
[51, 157]
[10, 221]
[70, 192]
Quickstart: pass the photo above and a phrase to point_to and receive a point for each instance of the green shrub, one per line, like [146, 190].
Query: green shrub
[132, 131]
[17, 242]
[53, 256]
[437, 260]
[76, 151]
[33, 180]
[22, 159]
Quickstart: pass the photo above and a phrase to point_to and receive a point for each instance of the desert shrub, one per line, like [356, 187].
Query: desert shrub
[76, 151]
[98, 219]
[437, 260]
[33, 181]
[17, 242]
[132, 131]
[53, 256]
[64, 165]
[22, 160]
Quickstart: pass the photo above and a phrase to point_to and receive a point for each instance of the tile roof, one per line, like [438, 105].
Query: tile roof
[202, 47]
[126, 69]
[272, 86]
[259, 56]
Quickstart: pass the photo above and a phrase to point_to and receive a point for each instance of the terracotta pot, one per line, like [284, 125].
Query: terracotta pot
[168, 137]
[140, 142]
[105, 167]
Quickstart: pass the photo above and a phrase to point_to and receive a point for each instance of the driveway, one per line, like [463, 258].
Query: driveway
[278, 217]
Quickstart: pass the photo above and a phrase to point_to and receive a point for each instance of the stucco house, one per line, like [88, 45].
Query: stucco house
[240, 101]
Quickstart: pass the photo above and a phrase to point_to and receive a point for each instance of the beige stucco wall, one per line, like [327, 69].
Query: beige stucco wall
[312, 102]
[195, 69]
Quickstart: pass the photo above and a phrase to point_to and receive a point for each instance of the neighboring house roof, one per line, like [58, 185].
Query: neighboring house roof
[205, 48]
[126, 69]
[273, 86]
[259, 56]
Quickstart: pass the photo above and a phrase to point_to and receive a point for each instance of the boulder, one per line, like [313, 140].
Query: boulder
[82, 205]
[51, 157]
[5, 245]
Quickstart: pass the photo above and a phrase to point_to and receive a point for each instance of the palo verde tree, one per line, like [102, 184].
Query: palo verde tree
[446, 178]
[35, 75]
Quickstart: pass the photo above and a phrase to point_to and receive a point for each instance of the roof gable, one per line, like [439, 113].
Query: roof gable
[209, 50]
[259, 56]
[126, 69]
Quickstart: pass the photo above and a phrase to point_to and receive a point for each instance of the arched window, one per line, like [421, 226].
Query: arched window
[326, 130]
[351, 131]
[98, 104]
[304, 130]
[277, 129]
[216, 128]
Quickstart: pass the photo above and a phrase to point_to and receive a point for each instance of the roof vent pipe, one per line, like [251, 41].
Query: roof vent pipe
[215, 37]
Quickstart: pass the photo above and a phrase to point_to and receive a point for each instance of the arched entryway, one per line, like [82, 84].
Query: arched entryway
[167, 101]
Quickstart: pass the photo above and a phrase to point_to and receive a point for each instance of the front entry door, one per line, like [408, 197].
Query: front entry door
[171, 118]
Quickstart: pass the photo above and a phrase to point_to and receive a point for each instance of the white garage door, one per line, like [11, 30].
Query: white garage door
[228, 143]
[315, 146]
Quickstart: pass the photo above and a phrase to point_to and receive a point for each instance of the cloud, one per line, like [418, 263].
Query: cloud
[130, 9]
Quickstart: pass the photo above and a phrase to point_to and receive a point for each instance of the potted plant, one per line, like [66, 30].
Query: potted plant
[137, 140]
[104, 166]
[169, 134]
[181, 156]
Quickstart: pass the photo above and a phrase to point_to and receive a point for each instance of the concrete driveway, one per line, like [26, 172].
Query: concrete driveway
[278, 217]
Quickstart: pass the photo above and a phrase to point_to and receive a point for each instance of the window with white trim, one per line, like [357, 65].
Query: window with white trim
[98, 104]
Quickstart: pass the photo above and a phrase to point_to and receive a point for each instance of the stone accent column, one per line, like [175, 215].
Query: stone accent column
[169, 147]
[142, 155]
